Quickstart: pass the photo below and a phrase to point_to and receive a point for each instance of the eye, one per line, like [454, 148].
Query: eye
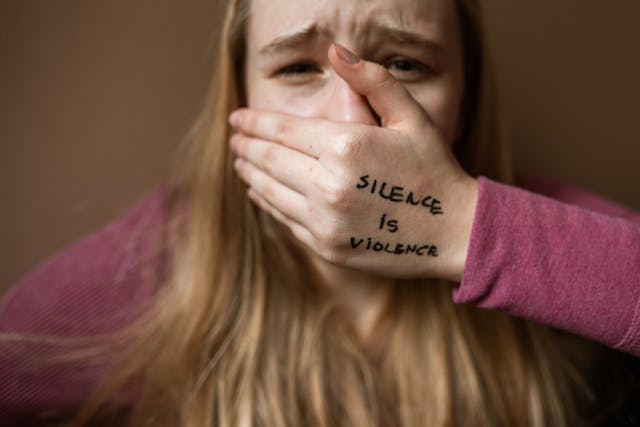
[298, 71]
[408, 69]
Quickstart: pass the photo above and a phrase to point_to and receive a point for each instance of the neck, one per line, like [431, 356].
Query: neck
[363, 295]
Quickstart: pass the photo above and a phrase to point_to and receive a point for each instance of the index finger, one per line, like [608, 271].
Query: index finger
[299, 133]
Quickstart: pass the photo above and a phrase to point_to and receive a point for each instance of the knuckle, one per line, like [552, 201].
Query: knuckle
[246, 172]
[243, 145]
[265, 191]
[269, 154]
[333, 256]
[349, 145]
[281, 129]
[336, 195]
[330, 236]
[249, 121]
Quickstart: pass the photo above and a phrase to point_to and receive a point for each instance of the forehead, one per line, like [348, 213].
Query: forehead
[269, 19]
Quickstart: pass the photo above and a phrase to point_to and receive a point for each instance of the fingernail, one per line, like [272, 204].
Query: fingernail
[235, 118]
[346, 55]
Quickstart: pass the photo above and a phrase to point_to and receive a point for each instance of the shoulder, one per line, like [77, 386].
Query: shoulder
[92, 286]
[76, 289]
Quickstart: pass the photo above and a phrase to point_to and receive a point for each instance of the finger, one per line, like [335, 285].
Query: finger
[389, 98]
[307, 135]
[292, 168]
[286, 200]
[298, 230]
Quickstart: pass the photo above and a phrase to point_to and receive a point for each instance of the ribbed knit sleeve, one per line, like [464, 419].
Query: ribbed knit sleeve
[572, 265]
[90, 287]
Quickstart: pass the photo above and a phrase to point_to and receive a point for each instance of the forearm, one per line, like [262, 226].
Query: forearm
[555, 263]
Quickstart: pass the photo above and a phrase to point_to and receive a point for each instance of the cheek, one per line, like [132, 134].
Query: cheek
[258, 94]
[442, 105]
[263, 94]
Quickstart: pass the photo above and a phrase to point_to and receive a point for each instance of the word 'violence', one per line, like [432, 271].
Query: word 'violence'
[394, 248]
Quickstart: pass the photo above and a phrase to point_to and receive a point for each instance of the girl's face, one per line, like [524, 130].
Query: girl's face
[418, 41]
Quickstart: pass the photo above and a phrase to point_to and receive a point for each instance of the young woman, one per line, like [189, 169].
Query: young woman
[368, 136]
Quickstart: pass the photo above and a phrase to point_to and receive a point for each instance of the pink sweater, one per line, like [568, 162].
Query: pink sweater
[567, 258]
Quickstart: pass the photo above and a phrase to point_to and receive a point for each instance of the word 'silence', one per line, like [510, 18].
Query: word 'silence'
[396, 249]
[397, 194]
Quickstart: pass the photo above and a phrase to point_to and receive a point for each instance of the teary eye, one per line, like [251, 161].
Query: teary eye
[403, 65]
[408, 69]
[298, 71]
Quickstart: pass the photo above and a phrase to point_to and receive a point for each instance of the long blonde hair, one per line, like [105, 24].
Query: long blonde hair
[241, 332]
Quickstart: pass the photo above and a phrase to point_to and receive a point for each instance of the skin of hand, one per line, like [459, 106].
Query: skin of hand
[324, 180]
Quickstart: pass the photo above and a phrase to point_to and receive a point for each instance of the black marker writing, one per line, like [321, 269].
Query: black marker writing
[397, 194]
[392, 224]
[395, 248]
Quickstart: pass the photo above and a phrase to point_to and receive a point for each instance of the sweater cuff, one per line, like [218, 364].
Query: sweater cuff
[476, 281]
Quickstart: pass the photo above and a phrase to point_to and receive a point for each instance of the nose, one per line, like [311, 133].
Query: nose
[346, 105]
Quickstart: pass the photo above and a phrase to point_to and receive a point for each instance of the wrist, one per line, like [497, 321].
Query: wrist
[461, 228]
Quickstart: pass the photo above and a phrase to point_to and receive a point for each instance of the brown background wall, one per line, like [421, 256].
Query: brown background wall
[95, 95]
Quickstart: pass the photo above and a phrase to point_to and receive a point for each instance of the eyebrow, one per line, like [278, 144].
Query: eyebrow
[291, 40]
[404, 37]
[306, 33]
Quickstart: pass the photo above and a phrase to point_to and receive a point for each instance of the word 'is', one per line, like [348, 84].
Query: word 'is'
[396, 249]
[396, 194]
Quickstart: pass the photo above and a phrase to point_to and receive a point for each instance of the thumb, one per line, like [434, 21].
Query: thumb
[388, 97]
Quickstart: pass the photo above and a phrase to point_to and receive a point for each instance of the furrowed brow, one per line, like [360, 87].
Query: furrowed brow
[404, 37]
[291, 40]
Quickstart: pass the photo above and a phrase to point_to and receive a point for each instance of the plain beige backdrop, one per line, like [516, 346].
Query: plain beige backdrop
[94, 96]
